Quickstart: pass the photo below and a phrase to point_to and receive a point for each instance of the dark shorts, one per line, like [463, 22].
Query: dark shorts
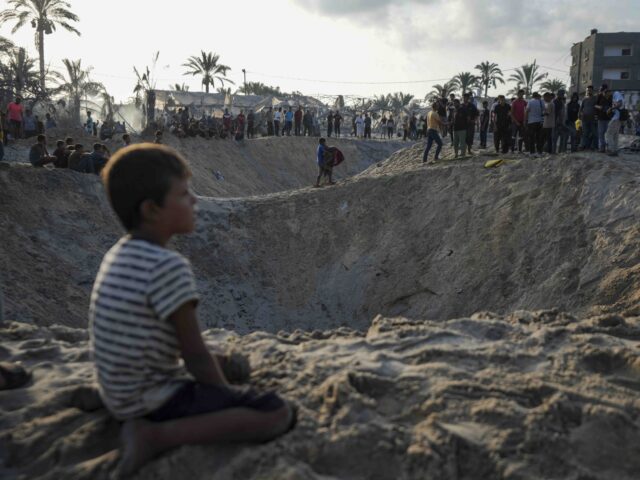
[196, 398]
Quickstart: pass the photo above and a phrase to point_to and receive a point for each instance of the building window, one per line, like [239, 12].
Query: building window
[616, 74]
[618, 50]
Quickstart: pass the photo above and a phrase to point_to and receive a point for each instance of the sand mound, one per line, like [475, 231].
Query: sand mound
[526, 396]
[226, 168]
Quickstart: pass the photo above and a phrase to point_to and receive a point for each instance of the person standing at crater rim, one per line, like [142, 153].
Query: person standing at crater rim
[323, 159]
[15, 112]
[434, 125]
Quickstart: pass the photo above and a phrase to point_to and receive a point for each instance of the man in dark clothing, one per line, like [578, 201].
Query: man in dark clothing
[451, 111]
[251, 118]
[502, 122]
[572, 109]
[184, 118]
[603, 104]
[337, 122]
[307, 122]
[62, 155]
[413, 127]
[485, 118]
[460, 127]
[473, 117]
[76, 157]
[367, 126]
[94, 162]
[38, 154]
[329, 124]
[560, 132]
[589, 121]
[297, 120]
[269, 117]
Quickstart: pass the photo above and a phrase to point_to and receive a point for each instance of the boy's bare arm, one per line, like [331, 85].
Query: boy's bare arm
[199, 362]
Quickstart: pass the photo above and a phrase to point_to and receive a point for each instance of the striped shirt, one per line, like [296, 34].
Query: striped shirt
[136, 353]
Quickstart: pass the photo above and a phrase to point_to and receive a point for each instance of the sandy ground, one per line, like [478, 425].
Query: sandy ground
[360, 303]
[525, 396]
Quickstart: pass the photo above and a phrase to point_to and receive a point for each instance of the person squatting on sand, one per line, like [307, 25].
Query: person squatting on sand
[142, 319]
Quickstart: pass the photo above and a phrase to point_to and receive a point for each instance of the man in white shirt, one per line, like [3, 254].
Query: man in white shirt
[533, 118]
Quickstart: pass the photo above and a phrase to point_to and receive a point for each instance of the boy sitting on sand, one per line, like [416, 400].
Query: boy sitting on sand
[143, 319]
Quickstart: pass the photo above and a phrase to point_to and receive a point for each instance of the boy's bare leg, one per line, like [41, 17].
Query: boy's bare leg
[142, 439]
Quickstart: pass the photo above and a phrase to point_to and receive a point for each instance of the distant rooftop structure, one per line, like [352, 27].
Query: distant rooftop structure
[217, 102]
[611, 58]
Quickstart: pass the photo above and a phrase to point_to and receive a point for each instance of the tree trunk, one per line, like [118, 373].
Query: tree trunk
[151, 107]
[41, 54]
[76, 110]
[206, 87]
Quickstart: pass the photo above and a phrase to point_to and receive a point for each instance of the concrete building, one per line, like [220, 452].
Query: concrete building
[611, 58]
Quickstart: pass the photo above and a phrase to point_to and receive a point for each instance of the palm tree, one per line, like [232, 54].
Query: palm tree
[179, 88]
[528, 75]
[490, 74]
[259, 88]
[207, 65]
[44, 16]
[442, 90]
[398, 101]
[145, 87]
[224, 91]
[465, 81]
[382, 103]
[78, 86]
[6, 45]
[18, 73]
[553, 85]
[108, 109]
[514, 91]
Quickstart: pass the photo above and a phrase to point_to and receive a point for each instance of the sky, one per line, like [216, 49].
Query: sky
[326, 47]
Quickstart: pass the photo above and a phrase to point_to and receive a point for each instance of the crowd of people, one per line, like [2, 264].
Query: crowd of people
[71, 155]
[270, 122]
[545, 124]
[548, 123]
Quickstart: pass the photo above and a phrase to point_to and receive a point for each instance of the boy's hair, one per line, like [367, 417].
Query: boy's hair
[79, 146]
[322, 140]
[97, 147]
[138, 173]
[41, 138]
[69, 140]
[60, 143]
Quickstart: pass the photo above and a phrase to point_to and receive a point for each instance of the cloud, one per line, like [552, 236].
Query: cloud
[527, 25]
